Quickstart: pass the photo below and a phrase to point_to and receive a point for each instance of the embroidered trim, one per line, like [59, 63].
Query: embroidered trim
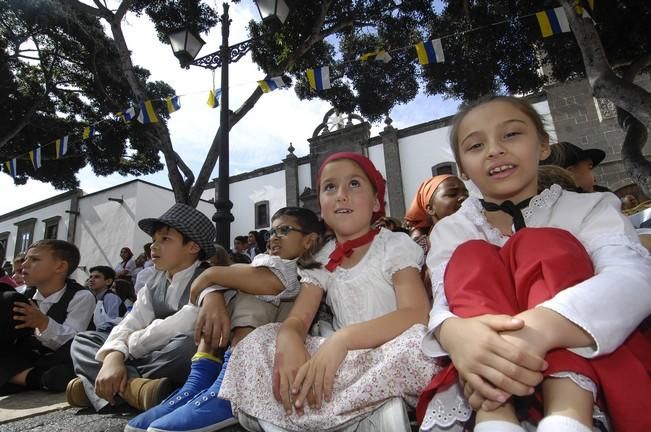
[581, 380]
[445, 409]
[545, 199]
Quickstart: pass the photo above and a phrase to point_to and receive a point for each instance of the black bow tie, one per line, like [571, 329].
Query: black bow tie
[515, 210]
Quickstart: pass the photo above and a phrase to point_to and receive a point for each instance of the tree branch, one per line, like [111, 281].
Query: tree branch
[605, 83]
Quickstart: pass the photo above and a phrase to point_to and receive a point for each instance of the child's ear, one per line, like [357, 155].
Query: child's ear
[194, 248]
[545, 149]
[309, 240]
[62, 267]
[376, 206]
[429, 210]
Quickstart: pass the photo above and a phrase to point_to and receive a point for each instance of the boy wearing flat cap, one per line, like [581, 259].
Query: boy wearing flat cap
[576, 160]
[148, 353]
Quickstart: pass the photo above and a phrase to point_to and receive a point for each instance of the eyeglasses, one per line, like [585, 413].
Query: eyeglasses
[284, 230]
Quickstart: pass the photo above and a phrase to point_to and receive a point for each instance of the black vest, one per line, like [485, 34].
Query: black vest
[59, 310]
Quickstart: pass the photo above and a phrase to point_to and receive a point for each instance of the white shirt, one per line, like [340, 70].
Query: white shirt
[140, 333]
[80, 311]
[365, 291]
[143, 277]
[609, 305]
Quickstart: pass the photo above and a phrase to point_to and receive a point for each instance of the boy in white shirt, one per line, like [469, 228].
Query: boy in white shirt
[148, 353]
[35, 351]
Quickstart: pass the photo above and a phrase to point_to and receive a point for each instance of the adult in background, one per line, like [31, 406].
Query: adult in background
[436, 198]
[125, 267]
[252, 248]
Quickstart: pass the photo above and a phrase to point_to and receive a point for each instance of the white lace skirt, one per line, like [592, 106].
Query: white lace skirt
[365, 379]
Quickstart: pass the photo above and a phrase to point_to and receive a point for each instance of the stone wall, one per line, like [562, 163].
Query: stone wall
[591, 123]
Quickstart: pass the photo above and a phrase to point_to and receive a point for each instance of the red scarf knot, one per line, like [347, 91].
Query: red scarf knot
[346, 249]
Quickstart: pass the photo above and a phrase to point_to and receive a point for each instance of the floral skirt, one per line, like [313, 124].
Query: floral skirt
[365, 380]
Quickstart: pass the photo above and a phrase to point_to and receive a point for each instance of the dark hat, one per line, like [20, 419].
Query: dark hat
[188, 221]
[565, 154]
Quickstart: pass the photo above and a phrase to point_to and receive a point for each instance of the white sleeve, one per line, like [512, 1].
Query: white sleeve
[611, 304]
[158, 334]
[286, 272]
[141, 315]
[617, 298]
[213, 288]
[400, 252]
[79, 313]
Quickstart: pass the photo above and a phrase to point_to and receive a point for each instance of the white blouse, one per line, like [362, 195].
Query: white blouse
[365, 291]
[609, 305]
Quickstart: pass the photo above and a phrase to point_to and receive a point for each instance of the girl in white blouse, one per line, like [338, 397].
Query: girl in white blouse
[360, 377]
[557, 302]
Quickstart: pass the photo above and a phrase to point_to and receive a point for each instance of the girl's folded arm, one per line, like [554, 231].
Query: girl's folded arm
[241, 277]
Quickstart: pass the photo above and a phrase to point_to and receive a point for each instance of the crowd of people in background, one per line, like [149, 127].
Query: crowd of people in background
[331, 313]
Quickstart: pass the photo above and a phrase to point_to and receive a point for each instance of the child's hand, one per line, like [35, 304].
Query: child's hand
[491, 366]
[201, 283]
[112, 377]
[319, 372]
[213, 322]
[30, 315]
[290, 356]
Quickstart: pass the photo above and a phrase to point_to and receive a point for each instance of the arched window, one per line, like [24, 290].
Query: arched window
[444, 168]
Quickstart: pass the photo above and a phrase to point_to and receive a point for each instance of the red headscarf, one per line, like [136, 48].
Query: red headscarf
[417, 213]
[369, 169]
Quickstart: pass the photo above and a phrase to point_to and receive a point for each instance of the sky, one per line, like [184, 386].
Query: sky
[260, 139]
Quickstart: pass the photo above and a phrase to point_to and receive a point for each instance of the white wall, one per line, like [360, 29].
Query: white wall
[376, 155]
[104, 227]
[418, 154]
[57, 209]
[246, 193]
[304, 177]
[543, 110]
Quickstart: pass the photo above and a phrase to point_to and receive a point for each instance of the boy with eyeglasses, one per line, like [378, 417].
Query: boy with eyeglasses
[257, 294]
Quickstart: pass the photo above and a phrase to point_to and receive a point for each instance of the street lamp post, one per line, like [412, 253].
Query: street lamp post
[186, 46]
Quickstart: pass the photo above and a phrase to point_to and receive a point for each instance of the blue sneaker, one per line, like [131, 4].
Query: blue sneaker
[205, 413]
[141, 422]
[202, 373]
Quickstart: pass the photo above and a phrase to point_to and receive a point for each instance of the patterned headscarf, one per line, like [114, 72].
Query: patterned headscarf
[417, 214]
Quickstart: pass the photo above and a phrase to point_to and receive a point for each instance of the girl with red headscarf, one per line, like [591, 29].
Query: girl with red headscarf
[360, 377]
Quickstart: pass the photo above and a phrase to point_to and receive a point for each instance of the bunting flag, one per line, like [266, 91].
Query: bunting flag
[379, 55]
[430, 52]
[173, 103]
[89, 132]
[585, 8]
[11, 167]
[553, 21]
[61, 146]
[213, 98]
[127, 115]
[319, 78]
[147, 113]
[271, 84]
[35, 157]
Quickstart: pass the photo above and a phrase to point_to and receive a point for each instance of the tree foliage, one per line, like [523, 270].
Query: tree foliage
[82, 73]
[60, 74]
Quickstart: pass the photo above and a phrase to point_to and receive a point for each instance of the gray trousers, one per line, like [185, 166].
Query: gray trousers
[171, 361]
[390, 417]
